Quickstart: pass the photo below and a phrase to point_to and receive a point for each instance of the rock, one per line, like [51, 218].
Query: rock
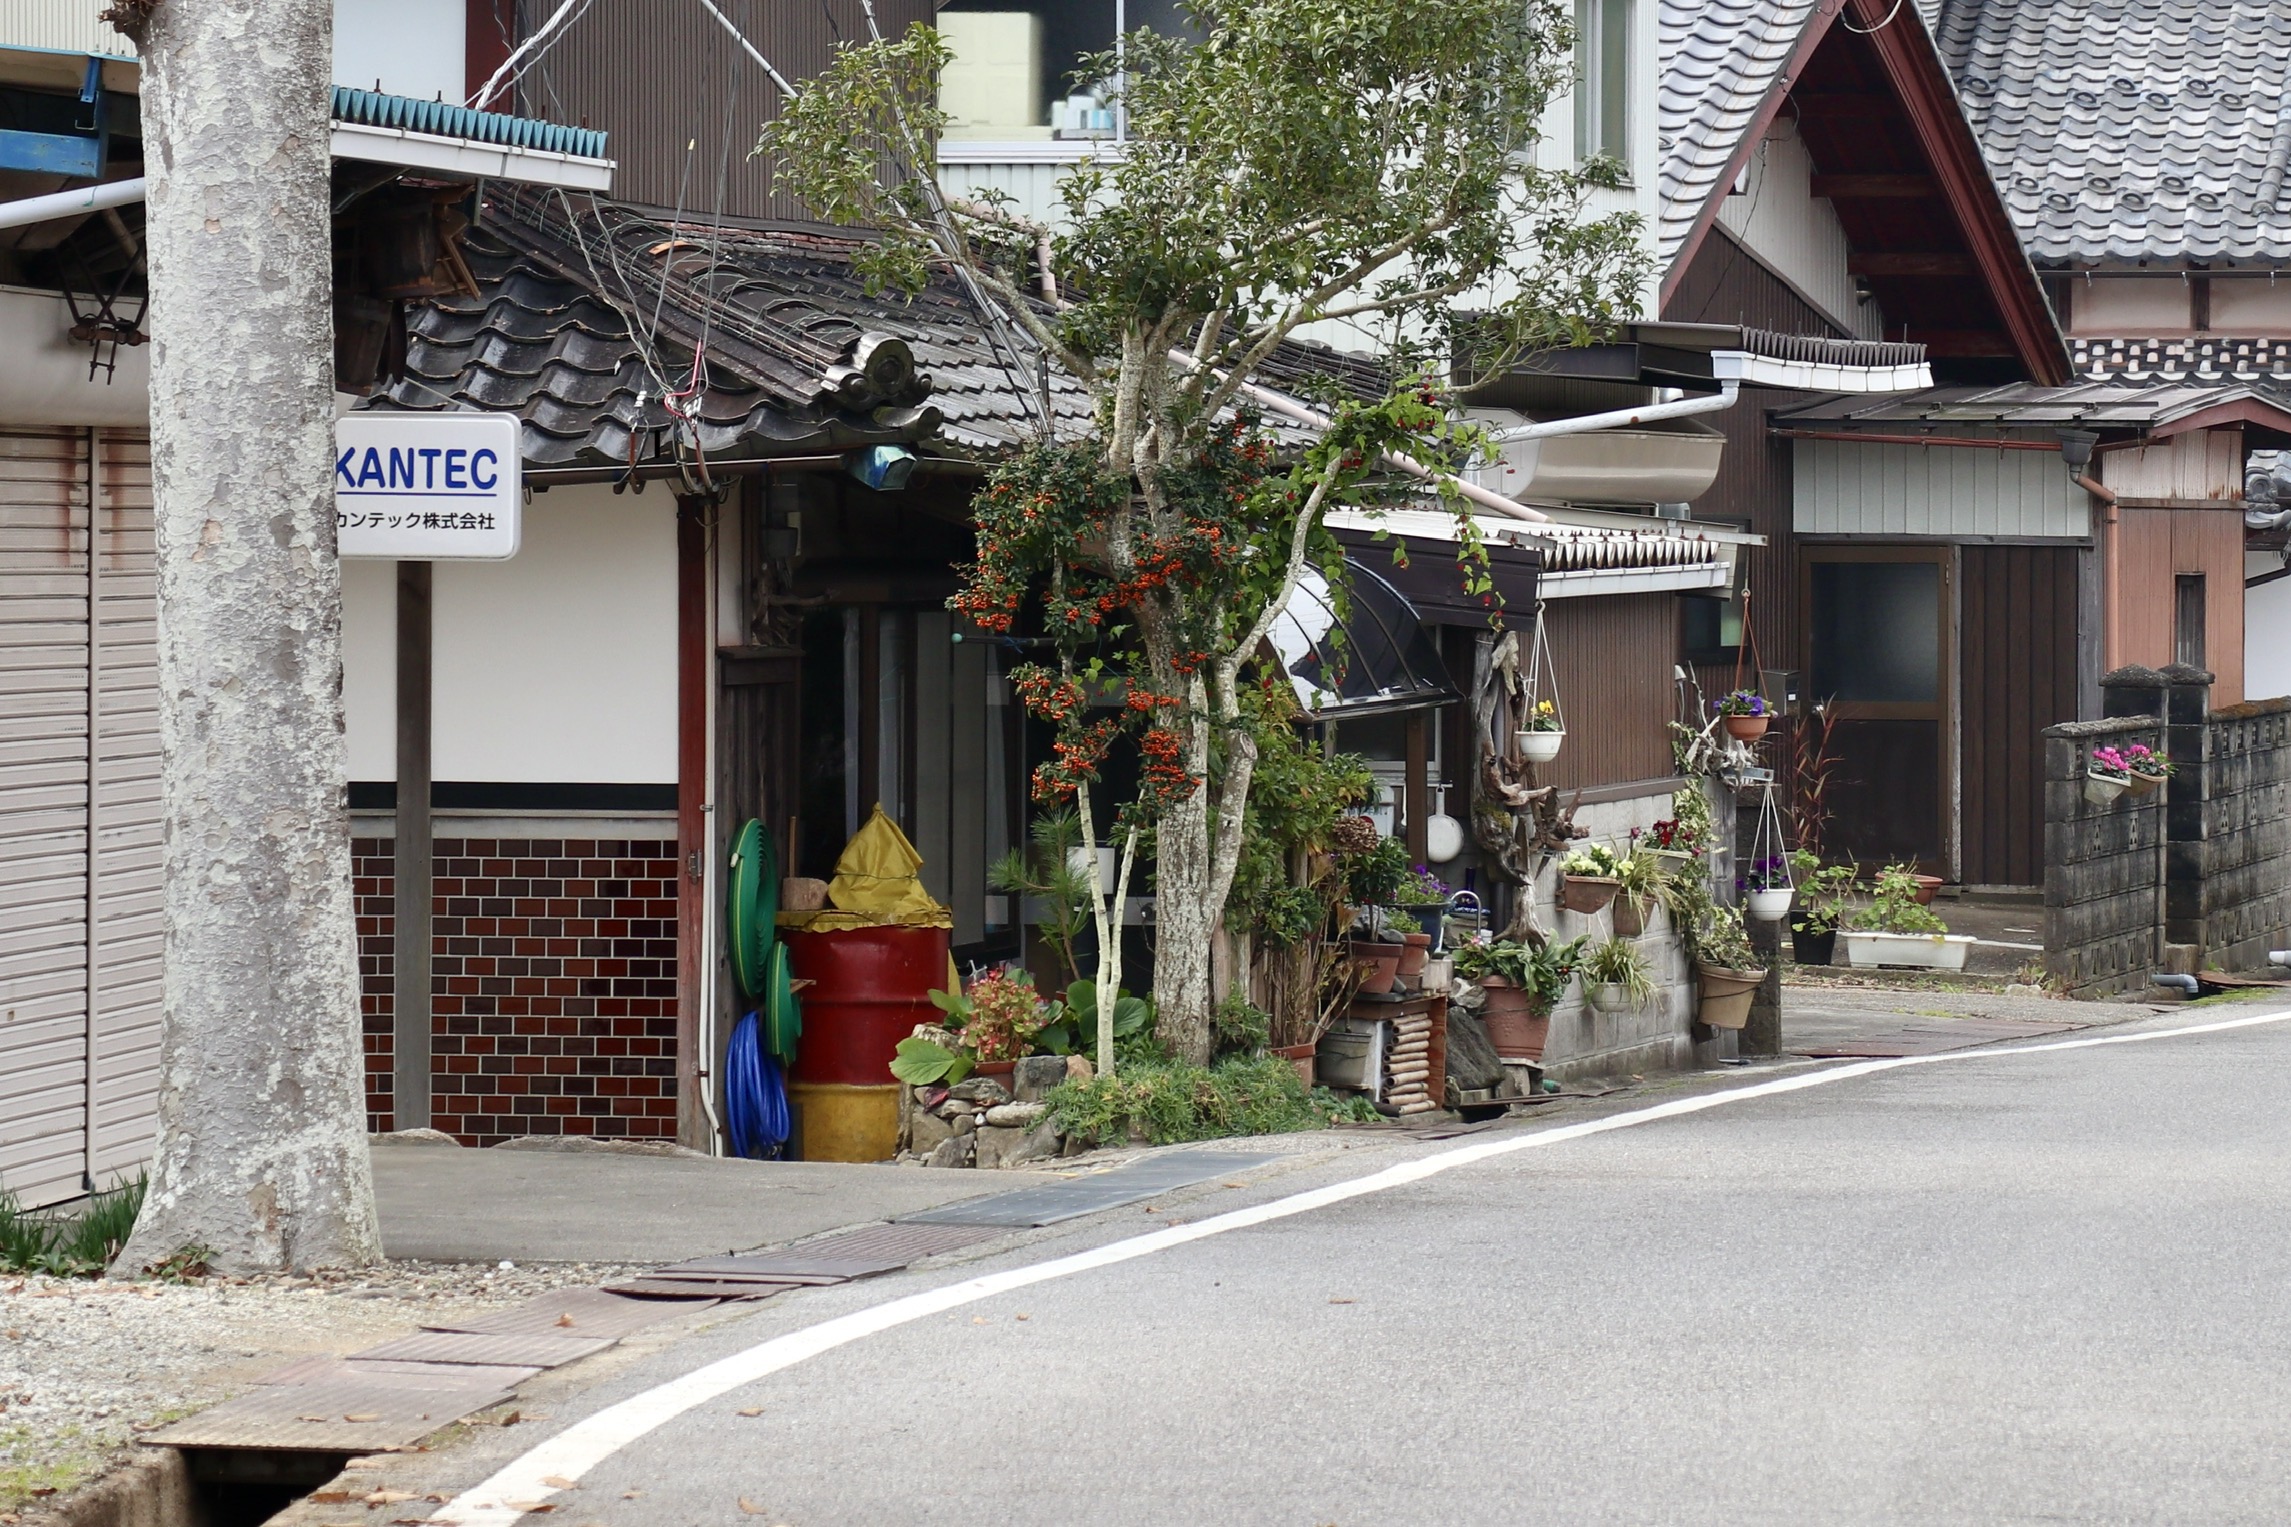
[931, 1096]
[982, 1090]
[1036, 1075]
[955, 1108]
[997, 1146]
[955, 1150]
[927, 1133]
[1042, 1143]
[1079, 1069]
[1017, 1115]
[1075, 1145]
[1472, 1060]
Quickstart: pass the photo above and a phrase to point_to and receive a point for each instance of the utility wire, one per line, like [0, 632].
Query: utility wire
[508, 67]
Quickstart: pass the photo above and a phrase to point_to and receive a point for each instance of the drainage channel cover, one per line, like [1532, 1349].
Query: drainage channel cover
[904, 1242]
[783, 1267]
[570, 1312]
[509, 1351]
[689, 1289]
[1055, 1202]
[352, 1417]
[389, 1373]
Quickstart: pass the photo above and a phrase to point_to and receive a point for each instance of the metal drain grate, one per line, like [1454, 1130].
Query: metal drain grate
[1053, 1203]
[906, 1240]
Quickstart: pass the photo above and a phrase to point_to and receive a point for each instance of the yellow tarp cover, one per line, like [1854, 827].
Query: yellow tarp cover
[875, 885]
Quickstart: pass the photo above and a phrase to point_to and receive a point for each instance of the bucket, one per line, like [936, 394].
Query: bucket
[870, 987]
[837, 1122]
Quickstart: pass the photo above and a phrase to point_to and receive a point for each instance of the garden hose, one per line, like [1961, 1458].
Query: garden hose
[755, 1100]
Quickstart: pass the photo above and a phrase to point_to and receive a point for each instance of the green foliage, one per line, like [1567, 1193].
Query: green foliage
[1823, 891]
[1044, 872]
[1420, 888]
[1294, 802]
[1542, 972]
[1073, 1028]
[1618, 962]
[1717, 937]
[1645, 879]
[1169, 1101]
[1239, 1026]
[69, 1245]
[1374, 879]
[1893, 906]
[920, 1062]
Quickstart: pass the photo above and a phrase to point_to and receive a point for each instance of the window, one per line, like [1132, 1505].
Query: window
[2188, 620]
[1603, 79]
[1011, 80]
[1710, 629]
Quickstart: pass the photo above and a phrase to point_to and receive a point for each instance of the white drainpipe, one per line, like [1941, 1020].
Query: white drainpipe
[1623, 418]
[42, 209]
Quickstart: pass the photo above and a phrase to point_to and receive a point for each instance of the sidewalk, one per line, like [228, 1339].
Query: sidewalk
[1836, 1021]
[444, 1203]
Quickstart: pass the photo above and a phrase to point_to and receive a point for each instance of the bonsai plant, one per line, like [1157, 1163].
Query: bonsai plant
[1589, 878]
[1642, 883]
[1541, 733]
[1522, 984]
[1895, 928]
[1766, 888]
[1822, 893]
[2106, 774]
[1616, 975]
[1744, 714]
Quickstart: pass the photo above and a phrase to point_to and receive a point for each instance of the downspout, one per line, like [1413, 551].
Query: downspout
[1729, 391]
[2111, 576]
[43, 209]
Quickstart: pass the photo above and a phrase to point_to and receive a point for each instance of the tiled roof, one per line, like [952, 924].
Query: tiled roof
[1719, 61]
[2027, 405]
[2202, 358]
[2124, 130]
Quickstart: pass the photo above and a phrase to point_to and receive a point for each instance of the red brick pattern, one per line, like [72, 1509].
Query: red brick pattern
[554, 1009]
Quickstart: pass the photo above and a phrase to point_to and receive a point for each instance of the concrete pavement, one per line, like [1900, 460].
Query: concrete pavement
[1994, 1288]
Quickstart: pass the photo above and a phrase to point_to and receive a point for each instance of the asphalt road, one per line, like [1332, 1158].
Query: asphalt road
[2036, 1288]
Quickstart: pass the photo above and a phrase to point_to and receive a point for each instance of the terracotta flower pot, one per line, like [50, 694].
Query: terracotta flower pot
[1380, 965]
[1926, 886]
[1415, 949]
[1301, 1057]
[994, 1068]
[1746, 728]
[1516, 1029]
[1587, 893]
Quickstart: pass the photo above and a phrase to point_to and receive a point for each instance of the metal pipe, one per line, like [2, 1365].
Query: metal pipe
[46, 209]
[2171, 982]
[1728, 392]
[1964, 441]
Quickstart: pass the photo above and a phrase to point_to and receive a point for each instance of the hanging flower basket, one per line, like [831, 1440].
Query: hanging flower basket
[1540, 747]
[1587, 894]
[1771, 905]
[1542, 722]
[1744, 714]
[2107, 774]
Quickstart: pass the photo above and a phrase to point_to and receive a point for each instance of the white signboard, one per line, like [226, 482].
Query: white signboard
[426, 487]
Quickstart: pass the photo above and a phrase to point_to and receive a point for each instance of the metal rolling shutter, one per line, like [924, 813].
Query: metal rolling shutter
[129, 921]
[43, 812]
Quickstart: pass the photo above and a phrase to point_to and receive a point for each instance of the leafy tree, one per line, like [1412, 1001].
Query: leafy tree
[1369, 163]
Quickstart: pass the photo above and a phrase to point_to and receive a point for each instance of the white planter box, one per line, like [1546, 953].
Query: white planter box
[1934, 951]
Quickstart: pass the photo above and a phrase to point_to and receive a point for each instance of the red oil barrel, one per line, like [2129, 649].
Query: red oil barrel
[870, 987]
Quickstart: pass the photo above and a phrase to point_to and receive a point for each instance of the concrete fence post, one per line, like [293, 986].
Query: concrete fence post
[2187, 736]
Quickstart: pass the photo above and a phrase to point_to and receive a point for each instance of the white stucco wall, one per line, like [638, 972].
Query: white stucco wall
[412, 47]
[558, 665]
[2266, 634]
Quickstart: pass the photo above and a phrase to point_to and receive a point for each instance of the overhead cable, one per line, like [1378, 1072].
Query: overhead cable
[508, 67]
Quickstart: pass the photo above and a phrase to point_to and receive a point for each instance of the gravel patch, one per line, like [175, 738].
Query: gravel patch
[87, 1364]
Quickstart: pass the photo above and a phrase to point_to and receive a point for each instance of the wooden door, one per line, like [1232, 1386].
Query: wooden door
[1879, 644]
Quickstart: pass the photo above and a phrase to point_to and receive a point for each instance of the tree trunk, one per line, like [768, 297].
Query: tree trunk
[261, 1157]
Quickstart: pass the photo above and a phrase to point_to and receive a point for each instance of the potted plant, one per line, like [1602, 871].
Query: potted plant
[1896, 929]
[1744, 715]
[998, 1018]
[1616, 975]
[1522, 984]
[1642, 883]
[2106, 774]
[2147, 767]
[1679, 838]
[1423, 896]
[1589, 878]
[1727, 970]
[1822, 893]
[1766, 888]
[1541, 733]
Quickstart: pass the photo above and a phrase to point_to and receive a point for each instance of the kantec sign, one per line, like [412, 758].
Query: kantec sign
[416, 487]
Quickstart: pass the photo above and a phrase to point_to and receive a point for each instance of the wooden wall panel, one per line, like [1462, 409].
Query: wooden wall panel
[2017, 677]
[2199, 464]
[1614, 655]
[2155, 546]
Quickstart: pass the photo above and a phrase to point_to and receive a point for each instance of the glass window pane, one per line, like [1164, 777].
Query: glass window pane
[1586, 78]
[1615, 78]
[1011, 78]
[1877, 631]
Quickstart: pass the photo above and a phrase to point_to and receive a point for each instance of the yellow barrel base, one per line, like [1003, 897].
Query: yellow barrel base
[835, 1121]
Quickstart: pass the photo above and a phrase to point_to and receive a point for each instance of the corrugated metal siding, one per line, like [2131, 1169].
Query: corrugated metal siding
[1913, 490]
[2018, 676]
[679, 97]
[1614, 655]
[129, 921]
[1725, 285]
[1032, 188]
[68, 25]
[43, 812]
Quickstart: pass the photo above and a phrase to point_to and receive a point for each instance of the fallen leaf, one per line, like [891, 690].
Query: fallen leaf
[558, 1482]
[1022, 1315]
[536, 1415]
[341, 1524]
[15, 1335]
[1229, 1184]
[751, 1508]
[389, 1497]
[530, 1507]
[330, 1497]
[364, 1463]
[1343, 1301]
[630, 1494]
[980, 1320]
[314, 1418]
[564, 1320]
[365, 1415]
[753, 1410]
[43, 1491]
[509, 1420]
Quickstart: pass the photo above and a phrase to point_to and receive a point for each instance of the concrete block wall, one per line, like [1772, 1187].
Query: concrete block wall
[2246, 819]
[2103, 864]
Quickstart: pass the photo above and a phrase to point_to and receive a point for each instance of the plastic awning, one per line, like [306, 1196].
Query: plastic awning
[1377, 658]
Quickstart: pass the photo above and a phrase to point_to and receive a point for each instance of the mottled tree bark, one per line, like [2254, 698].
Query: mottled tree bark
[262, 1152]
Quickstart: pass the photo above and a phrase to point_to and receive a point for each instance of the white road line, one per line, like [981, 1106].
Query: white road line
[504, 1497]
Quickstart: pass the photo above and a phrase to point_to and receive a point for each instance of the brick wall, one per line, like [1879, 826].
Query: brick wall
[554, 1009]
[2103, 864]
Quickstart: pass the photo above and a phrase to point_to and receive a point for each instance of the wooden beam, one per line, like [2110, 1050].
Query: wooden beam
[1844, 105]
[694, 656]
[1932, 263]
[1876, 187]
[413, 849]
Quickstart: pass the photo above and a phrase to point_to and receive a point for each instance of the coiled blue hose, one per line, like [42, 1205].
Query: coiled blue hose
[755, 1100]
